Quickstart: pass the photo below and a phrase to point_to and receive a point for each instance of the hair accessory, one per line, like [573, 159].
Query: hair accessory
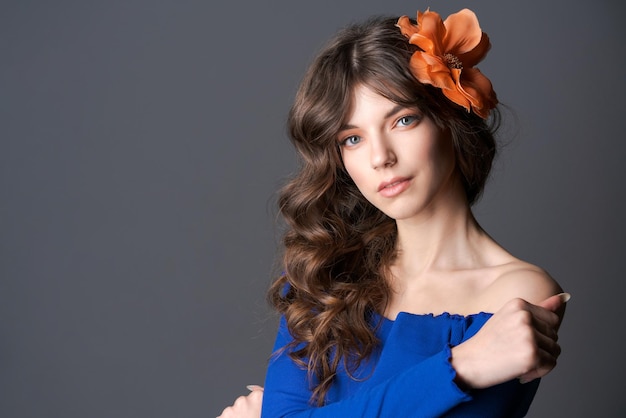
[448, 52]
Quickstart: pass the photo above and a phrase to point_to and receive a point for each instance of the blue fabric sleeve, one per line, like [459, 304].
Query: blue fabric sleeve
[425, 389]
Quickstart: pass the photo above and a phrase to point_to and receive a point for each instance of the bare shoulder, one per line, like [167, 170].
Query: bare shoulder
[519, 279]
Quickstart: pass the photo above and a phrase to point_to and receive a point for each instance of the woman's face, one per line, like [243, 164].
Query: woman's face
[397, 157]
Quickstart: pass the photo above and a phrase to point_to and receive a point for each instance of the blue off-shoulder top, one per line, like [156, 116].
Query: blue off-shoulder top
[409, 375]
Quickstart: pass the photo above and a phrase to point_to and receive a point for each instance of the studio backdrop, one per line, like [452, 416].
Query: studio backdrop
[141, 147]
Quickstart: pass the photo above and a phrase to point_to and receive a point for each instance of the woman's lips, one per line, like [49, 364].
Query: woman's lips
[394, 186]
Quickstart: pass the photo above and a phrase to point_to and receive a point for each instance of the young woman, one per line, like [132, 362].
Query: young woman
[394, 301]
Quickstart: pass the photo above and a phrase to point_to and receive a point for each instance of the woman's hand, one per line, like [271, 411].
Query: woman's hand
[518, 341]
[246, 406]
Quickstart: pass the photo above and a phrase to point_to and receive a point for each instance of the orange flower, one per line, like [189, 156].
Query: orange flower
[449, 51]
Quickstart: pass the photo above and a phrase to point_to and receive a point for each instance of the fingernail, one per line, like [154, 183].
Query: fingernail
[565, 296]
[253, 387]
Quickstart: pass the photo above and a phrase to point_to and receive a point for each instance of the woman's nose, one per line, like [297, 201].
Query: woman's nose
[381, 153]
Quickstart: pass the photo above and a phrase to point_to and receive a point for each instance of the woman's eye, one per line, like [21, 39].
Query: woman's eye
[351, 141]
[407, 120]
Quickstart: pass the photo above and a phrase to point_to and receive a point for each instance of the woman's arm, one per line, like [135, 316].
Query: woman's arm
[246, 406]
[429, 383]
[429, 388]
[519, 341]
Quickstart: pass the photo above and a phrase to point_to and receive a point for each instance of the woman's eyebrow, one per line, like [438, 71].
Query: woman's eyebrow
[395, 110]
[392, 112]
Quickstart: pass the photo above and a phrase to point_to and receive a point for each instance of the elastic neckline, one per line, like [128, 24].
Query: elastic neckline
[443, 315]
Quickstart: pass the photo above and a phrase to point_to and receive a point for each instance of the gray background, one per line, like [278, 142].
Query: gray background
[141, 145]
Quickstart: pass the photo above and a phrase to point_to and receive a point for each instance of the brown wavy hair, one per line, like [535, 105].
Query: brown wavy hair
[338, 247]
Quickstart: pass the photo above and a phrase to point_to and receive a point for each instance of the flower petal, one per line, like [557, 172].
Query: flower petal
[479, 91]
[463, 32]
[456, 94]
[411, 31]
[406, 27]
[476, 55]
[424, 43]
[457, 97]
[431, 26]
[431, 70]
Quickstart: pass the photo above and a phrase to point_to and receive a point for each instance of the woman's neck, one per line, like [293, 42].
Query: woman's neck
[444, 238]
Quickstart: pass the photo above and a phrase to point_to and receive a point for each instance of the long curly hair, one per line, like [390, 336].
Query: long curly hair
[337, 246]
